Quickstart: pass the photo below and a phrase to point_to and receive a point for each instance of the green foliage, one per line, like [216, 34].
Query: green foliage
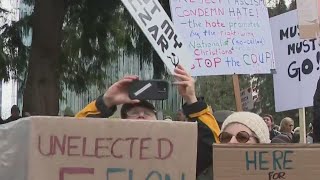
[293, 5]
[95, 32]
[13, 53]
[218, 90]
[278, 9]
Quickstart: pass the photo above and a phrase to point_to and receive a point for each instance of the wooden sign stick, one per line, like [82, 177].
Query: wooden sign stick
[236, 90]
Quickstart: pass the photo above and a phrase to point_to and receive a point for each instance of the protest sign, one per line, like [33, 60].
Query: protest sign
[159, 29]
[112, 149]
[225, 37]
[308, 13]
[248, 98]
[297, 63]
[266, 162]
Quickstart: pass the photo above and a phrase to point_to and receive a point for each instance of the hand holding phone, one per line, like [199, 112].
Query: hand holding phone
[149, 90]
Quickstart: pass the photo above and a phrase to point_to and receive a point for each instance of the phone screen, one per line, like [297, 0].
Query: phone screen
[149, 90]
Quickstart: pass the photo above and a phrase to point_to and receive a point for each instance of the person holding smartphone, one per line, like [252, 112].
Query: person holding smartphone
[196, 111]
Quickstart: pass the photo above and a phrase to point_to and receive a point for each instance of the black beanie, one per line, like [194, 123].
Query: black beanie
[126, 107]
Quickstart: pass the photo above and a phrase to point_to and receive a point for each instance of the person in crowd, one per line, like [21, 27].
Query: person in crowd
[282, 138]
[168, 118]
[244, 127]
[26, 114]
[208, 130]
[310, 134]
[316, 114]
[276, 127]
[296, 135]
[286, 131]
[180, 116]
[268, 119]
[286, 125]
[15, 115]
[296, 130]
[221, 116]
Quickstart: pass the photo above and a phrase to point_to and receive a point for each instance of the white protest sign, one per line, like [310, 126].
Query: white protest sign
[112, 149]
[159, 29]
[297, 63]
[248, 97]
[225, 37]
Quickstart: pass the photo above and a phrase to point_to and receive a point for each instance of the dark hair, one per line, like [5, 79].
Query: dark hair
[15, 108]
[126, 107]
[269, 116]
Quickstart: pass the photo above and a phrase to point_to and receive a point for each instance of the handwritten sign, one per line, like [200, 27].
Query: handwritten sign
[266, 162]
[159, 29]
[226, 37]
[69, 149]
[248, 98]
[308, 13]
[297, 62]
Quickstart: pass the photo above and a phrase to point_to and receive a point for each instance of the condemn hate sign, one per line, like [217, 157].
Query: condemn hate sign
[225, 36]
[69, 149]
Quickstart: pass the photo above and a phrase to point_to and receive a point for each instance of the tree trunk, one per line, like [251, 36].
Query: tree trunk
[41, 96]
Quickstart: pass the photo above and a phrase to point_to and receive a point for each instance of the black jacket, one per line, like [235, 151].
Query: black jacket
[10, 119]
[316, 114]
[273, 133]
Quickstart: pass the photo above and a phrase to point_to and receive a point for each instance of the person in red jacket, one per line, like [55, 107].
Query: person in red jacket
[197, 111]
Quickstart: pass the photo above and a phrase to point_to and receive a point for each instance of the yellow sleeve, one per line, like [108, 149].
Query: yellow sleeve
[97, 109]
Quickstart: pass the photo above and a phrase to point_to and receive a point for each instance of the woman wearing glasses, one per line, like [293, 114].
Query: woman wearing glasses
[244, 127]
[240, 127]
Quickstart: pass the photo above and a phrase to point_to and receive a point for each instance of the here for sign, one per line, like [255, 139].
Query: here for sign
[266, 162]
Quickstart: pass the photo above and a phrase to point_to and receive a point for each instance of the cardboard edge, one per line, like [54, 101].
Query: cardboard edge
[309, 31]
[265, 146]
[29, 153]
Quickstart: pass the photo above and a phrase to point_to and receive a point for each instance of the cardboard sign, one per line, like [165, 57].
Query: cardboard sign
[159, 29]
[308, 13]
[297, 62]
[225, 36]
[266, 162]
[57, 148]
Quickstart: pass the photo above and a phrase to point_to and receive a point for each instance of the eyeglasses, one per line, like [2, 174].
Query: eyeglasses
[242, 137]
[137, 112]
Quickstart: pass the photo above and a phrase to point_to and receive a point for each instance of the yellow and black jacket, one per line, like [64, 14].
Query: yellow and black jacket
[208, 129]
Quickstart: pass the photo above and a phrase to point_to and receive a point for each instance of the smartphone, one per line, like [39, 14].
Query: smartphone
[149, 90]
